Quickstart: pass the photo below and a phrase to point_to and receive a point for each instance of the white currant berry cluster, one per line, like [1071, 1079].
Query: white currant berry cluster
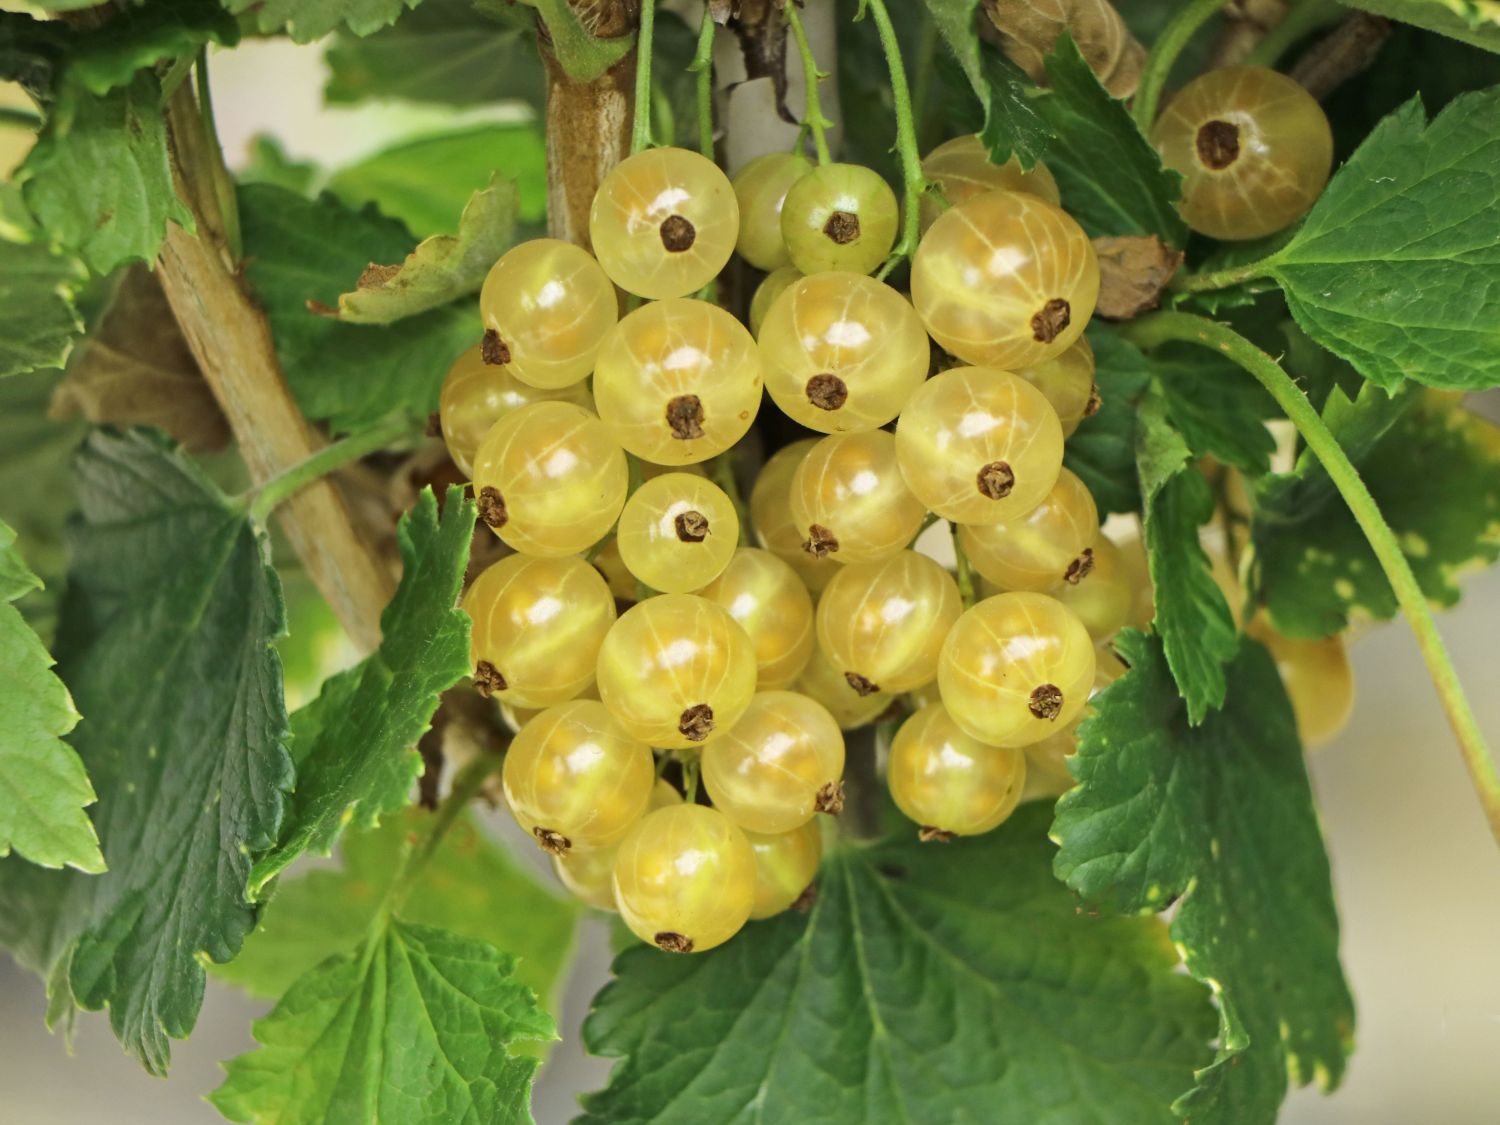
[722, 669]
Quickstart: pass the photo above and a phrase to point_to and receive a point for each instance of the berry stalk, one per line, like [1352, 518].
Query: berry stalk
[1159, 328]
[813, 118]
[913, 182]
[1169, 44]
[640, 132]
[702, 67]
[382, 435]
[966, 586]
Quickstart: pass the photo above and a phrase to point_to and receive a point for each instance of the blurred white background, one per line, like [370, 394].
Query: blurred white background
[1416, 871]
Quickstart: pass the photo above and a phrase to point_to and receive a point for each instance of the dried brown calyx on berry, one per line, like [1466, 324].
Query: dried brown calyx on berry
[551, 841]
[685, 417]
[842, 227]
[696, 722]
[677, 234]
[1046, 702]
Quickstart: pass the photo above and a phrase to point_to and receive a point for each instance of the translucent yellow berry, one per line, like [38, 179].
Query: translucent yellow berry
[761, 187]
[1067, 382]
[589, 873]
[538, 626]
[1318, 678]
[883, 623]
[678, 381]
[779, 764]
[549, 479]
[839, 217]
[1016, 668]
[842, 352]
[766, 597]
[678, 532]
[1049, 545]
[676, 670]
[823, 681]
[1101, 595]
[961, 169]
[573, 777]
[850, 501]
[546, 307]
[978, 445]
[685, 879]
[664, 222]
[785, 864]
[1005, 280]
[771, 516]
[947, 781]
[775, 284]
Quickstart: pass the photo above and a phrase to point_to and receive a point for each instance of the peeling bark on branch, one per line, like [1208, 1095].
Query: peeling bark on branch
[231, 340]
[587, 123]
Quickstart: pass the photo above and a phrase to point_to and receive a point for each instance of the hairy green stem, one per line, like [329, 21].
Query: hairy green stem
[1169, 44]
[264, 500]
[1224, 278]
[813, 118]
[967, 589]
[912, 181]
[640, 133]
[1304, 18]
[702, 67]
[1161, 327]
[24, 118]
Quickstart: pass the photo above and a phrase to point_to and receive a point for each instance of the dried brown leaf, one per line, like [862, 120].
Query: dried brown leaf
[1133, 271]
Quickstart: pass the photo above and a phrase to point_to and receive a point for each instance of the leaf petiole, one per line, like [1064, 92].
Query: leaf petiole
[1161, 327]
[913, 182]
[1225, 278]
[640, 133]
[702, 67]
[262, 501]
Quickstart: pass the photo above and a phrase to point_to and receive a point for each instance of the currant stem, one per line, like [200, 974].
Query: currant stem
[913, 182]
[640, 133]
[703, 67]
[1169, 44]
[265, 499]
[1302, 20]
[1223, 279]
[966, 587]
[466, 786]
[223, 183]
[813, 119]
[1161, 327]
[721, 472]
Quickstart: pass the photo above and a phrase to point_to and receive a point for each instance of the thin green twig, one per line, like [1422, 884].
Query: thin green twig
[813, 118]
[703, 67]
[1224, 278]
[264, 500]
[1161, 327]
[912, 181]
[967, 589]
[640, 133]
[1169, 44]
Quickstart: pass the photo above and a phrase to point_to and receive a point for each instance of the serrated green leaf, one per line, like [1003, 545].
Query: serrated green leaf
[1434, 471]
[442, 268]
[1393, 267]
[166, 644]
[99, 181]
[1473, 21]
[583, 57]
[1102, 450]
[444, 52]
[1218, 409]
[1090, 130]
[306, 20]
[301, 250]
[470, 887]
[1221, 816]
[39, 321]
[1012, 124]
[413, 1027]
[356, 762]
[426, 182]
[927, 984]
[138, 37]
[43, 785]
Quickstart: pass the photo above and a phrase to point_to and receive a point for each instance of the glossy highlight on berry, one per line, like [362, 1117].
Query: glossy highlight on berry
[546, 306]
[771, 516]
[677, 671]
[842, 352]
[1050, 545]
[678, 532]
[849, 499]
[664, 222]
[685, 879]
[550, 479]
[765, 595]
[678, 381]
[574, 778]
[949, 782]
[537, 628]
[1005, 280]
[785, 865]
[1015, 669]
[883, 623]
[977, 445]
